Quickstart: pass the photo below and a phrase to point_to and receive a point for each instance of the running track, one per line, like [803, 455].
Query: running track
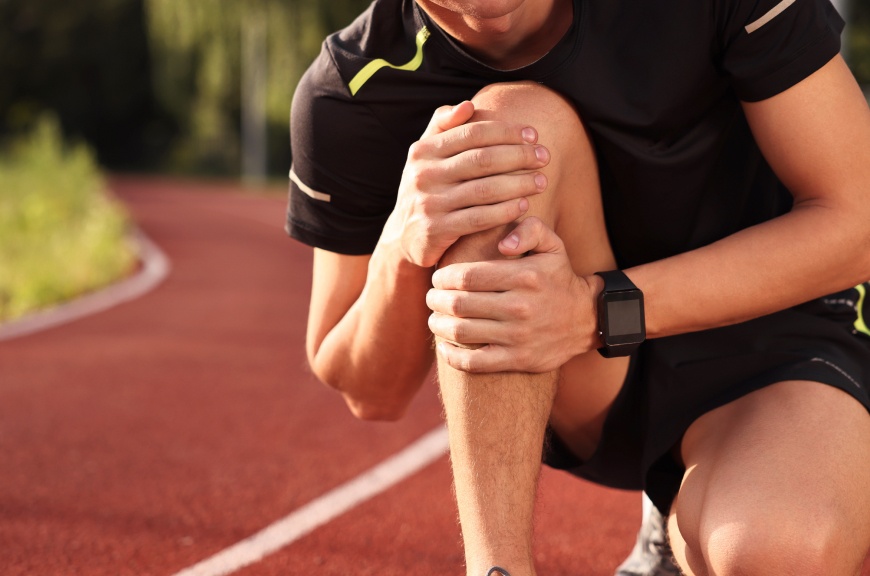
[150, 437]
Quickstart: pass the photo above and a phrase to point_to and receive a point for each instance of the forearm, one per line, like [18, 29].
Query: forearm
[380, 351]
[814, 250]
[816, 138]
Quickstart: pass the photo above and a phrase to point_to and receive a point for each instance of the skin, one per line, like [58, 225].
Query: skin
[463, 179]
[504, 34]
[459, 179]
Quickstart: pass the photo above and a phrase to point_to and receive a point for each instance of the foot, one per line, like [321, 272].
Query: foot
[651, 555]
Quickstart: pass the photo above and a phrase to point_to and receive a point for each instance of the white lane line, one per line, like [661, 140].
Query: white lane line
[320, 511]
[155, 268]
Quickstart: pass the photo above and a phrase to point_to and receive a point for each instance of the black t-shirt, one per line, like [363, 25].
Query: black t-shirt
[658, 85]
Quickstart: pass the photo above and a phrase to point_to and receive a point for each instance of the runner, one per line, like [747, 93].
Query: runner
[676, 310]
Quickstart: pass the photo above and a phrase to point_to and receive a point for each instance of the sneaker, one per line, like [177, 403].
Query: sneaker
[651, 555]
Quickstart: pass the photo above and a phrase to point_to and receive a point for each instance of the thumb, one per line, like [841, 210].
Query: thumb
[531, 235]
[447, 117]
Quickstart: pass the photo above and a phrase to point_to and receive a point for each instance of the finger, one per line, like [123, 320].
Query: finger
[495, 189]
[531, 235]
[498, 159]
[478, 218]
[466, 330]
[489, 276]
[448, 117]
[481, 135]
[490, 358]
[480, 305]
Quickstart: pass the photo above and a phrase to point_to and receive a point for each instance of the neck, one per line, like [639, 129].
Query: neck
[505, 39]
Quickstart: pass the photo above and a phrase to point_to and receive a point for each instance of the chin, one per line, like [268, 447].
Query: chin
[483, 9]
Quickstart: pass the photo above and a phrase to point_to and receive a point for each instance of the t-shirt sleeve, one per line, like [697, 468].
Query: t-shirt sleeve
[771, 45]
[344, 177]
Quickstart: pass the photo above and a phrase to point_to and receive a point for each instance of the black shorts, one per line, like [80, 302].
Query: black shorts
[673, 381]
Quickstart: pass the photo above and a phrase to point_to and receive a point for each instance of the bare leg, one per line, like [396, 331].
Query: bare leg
[497, 422]
[776, 483]
[495, 448]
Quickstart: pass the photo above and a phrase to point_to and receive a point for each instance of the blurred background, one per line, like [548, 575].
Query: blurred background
[162, 84]
[193, 87]
[198, 88]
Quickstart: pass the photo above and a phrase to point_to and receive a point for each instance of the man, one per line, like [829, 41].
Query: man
[710, 159]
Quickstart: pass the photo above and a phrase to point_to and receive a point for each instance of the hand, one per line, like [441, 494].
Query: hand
[532, 314]
[462, 178]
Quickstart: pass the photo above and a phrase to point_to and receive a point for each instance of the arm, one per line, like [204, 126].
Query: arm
[816, 136]
[368, 339]
[367, 334]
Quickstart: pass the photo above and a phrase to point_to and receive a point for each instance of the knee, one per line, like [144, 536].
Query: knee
[765, 546]
[550, 113]
[524, 97]
[573, 192]
[571, 203]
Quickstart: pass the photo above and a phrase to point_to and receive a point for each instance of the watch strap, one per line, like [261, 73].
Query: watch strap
[616, 281]
[618, 350]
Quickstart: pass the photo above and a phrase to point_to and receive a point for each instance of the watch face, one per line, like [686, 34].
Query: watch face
[623, 317]
[623, 321]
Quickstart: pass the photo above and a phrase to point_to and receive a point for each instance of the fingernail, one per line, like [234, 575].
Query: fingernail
[542, 153]
[512, 241]
[540, 181]
[529, 135]
[524, 204]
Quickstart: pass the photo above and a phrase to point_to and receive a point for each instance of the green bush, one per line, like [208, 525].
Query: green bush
[60, 234]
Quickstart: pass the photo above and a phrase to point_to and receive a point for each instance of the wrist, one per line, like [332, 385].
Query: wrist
[391, 258]
[591, 336]
[620, 312]
[394, 273]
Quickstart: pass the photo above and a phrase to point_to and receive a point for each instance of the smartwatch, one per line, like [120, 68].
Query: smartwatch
[620, 315]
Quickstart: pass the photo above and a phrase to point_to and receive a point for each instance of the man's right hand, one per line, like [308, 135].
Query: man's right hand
[463, 177]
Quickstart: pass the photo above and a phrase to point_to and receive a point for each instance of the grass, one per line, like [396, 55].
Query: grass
[61, 235]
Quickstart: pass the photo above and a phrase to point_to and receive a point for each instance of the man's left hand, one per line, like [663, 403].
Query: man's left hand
[530, 314]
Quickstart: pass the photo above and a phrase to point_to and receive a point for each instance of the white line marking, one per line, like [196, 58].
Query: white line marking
[155, 267]
[320, 511]
[770, 15]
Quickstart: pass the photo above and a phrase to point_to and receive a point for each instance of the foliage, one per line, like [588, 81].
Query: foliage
[88, 61]
[195, 48]
[60, 234]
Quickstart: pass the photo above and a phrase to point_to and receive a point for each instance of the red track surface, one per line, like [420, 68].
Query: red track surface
[146, 438]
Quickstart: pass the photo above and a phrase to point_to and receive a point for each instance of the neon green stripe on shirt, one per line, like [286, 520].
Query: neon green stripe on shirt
[369, 69]
[861, 323]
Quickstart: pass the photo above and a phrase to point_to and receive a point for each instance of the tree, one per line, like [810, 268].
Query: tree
[196, 50]
[87, 61]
